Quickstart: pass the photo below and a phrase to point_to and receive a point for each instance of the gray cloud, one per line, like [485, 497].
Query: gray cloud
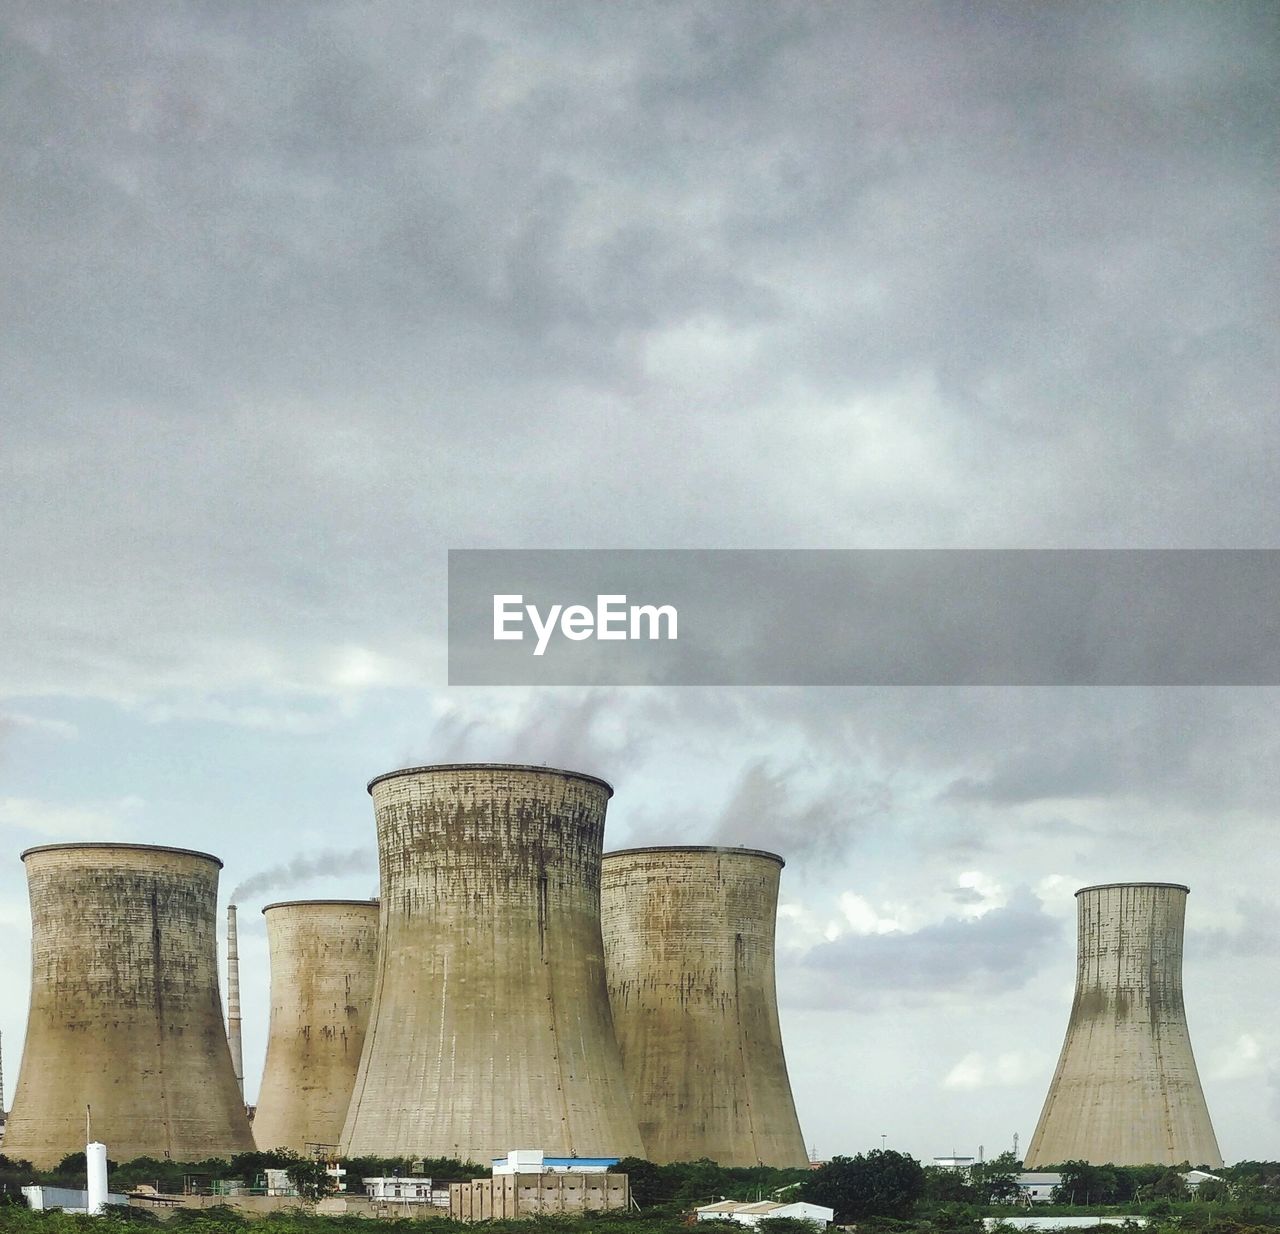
[994, 954]
[320, 286]
[302, 296]
[1253, 939]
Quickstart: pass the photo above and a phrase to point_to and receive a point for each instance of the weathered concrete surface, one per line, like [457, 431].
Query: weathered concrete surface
[322, 968]
[689, 952]
[1126, 1089]
[126, 1016]
[490, 1025]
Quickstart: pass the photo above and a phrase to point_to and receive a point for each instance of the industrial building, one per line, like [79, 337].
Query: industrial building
[689, 951]
[490, 1023]
[749, 1213]
[323, 955]
[506, 1196]
[535, 1161]
[126, 1015]
[1126, 1090]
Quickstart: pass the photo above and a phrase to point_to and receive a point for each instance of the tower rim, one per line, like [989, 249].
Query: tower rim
[266, 908]
[1109, 886]
[532, 767]
[118, 845]
[730, 849]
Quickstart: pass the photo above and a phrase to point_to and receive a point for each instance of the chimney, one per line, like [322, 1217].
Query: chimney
[233, 999]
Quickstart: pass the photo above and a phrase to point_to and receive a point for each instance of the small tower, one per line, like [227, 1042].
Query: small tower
[1126, 1090]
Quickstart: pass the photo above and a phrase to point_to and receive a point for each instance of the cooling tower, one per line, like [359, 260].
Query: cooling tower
[689, 936]
[322, 966]
[1126, 1089]
[490, 1026]
[125, 1012]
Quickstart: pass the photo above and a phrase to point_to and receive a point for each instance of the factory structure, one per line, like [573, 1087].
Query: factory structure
[125, 1020]
[490, 1026]
[323, 956]
[513, 987]
[1126, 1090]
[688, 940]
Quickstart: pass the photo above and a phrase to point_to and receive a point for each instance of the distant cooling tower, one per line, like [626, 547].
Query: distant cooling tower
[126, 1017]
[490, 1026]
[689, 941]
[322, 966]
[1126, 1090]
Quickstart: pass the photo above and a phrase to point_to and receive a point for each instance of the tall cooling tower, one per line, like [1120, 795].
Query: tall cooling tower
[126, 1016]
[689, 940]
[490, 1026]
[1126, 1089]
[322, 966]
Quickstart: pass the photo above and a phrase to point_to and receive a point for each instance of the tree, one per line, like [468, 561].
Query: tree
[944, 1186]
[1083, 1183]
[998, 1179]
[1170, 1186]
[881, 1183]
[647, 1181]
[310, 1178]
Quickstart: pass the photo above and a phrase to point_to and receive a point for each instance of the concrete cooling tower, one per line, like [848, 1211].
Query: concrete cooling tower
[322, 966]
[490, 1026]
[1126, 1089]
[126, 1016]
[689, 939]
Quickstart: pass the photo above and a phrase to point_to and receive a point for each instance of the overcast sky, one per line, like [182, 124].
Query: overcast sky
[299, 297]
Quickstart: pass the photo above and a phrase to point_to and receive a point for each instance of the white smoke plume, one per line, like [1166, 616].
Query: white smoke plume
[326, 863]
[594, 730]
[786, 810]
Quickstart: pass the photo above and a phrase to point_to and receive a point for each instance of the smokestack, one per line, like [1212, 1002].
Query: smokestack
[1126, 1090]
[126, 1013]
[234, 1038]
[689, 953]
[490, 1024]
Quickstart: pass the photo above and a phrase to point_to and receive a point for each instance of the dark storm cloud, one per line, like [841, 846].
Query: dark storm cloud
[993, 954]
[335, 287]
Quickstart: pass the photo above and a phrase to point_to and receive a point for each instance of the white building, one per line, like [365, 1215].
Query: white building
[278, 1182]
[1036, 1187]
[745, 1213]
[1193, 1179]
[41, 1199]
[961, 1164]
[533, 1161]
[406, 1190]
